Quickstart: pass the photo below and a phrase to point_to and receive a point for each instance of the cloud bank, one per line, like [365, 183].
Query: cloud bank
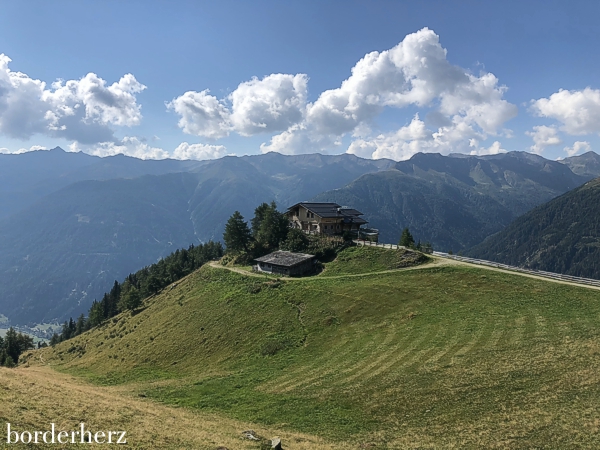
[415, 73]
[452, 109]
[82, 110]
[133, 146]
[257, 106]
[577, 113]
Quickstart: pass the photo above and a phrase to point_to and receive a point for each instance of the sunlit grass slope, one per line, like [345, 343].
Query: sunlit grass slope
[33, 398]
[433, 357]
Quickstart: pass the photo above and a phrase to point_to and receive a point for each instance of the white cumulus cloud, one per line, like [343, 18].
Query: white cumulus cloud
[272, 104]
[199, 152]
[417, 73]
[467, 109]
[578, 111]
[134, 146]
[33, 148]
[82, 110]
[493, 149]
[578, 147]
[406, 141]
[202, 114]
[415, 137]
[129, 145]
[543, 137]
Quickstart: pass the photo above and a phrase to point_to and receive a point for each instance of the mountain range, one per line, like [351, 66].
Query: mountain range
[456, 201]
[72, 223]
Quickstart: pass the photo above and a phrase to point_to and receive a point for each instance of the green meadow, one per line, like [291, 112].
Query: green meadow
[436, 356]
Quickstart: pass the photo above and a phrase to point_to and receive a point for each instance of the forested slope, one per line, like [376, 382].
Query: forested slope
[561, 236]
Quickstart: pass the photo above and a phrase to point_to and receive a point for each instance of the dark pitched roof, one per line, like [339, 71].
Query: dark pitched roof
[331, 211]
[355, 219]
[285, 259]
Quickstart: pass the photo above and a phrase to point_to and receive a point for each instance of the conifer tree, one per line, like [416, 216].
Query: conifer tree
[273, 228]
[237, 234]
[131, 298]
[406, 239]
[55, 339]
[80, 325]
[259, 214]
[96, 315]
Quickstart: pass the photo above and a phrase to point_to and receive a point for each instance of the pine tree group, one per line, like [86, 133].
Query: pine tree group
[269, 229]
[12, 346]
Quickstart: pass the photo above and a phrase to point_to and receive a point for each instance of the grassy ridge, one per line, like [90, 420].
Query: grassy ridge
[357, 260]
[442, 356]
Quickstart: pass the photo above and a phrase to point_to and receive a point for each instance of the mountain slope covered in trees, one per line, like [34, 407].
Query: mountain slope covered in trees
[67, 248]
[454, 201]
[561, 236]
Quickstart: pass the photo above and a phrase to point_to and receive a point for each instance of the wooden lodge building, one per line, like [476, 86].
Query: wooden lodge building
[325, 218]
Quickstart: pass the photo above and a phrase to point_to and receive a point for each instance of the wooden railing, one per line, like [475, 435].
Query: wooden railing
[361, 242]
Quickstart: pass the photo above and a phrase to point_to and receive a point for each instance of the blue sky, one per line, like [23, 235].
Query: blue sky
[279, 75]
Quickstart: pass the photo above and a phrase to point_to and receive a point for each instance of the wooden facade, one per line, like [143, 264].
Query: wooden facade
[324, 218]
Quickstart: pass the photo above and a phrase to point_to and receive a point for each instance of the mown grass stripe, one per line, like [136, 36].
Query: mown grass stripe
[396, 361]
[318, 373]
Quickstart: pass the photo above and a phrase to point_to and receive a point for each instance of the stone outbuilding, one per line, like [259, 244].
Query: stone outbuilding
[286, 263]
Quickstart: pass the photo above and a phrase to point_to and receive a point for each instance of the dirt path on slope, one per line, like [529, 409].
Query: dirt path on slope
[437, 262]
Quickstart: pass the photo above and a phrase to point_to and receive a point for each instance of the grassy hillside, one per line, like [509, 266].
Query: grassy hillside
[33, 398]
[357, 260]
[440, 356]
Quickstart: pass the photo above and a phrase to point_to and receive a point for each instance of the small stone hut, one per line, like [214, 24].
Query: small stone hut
[286, 263]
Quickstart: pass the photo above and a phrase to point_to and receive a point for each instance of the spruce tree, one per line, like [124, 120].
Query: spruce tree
[131, 298]
[80, 325]
[259, 214]
[96, 315]
[273, 228]
[406, 239]
[237, 234]
[55, 339]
